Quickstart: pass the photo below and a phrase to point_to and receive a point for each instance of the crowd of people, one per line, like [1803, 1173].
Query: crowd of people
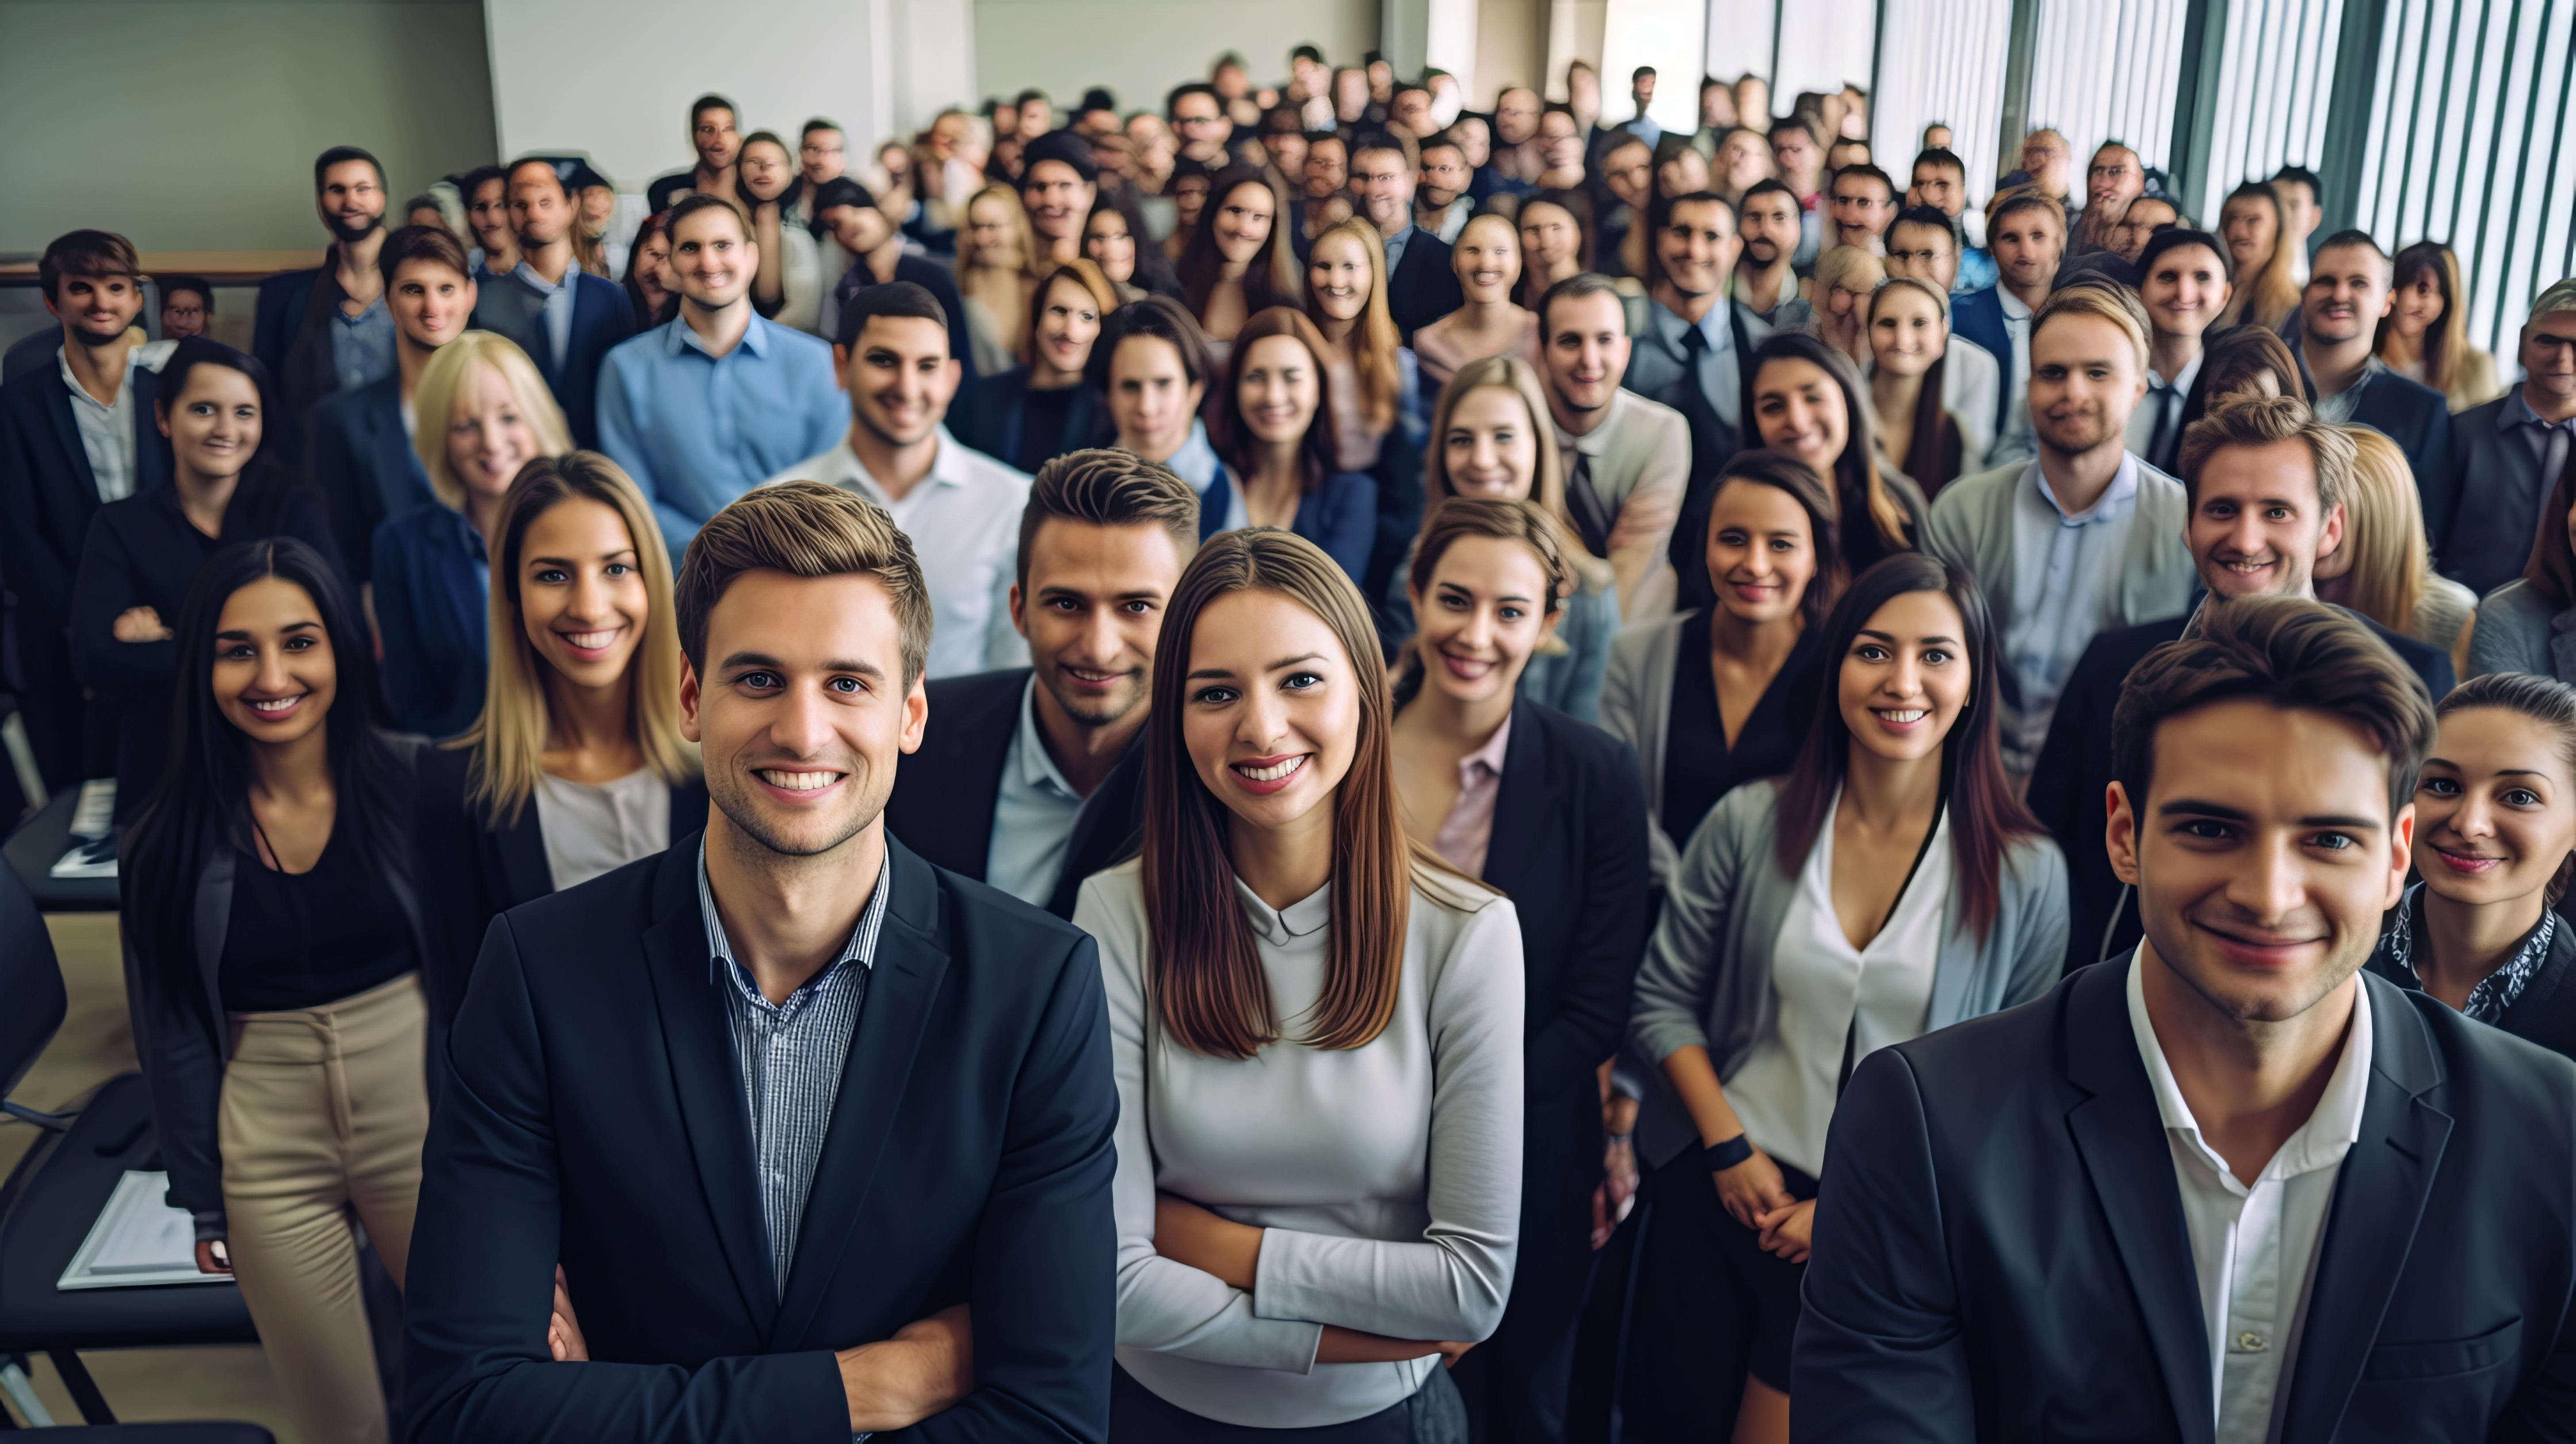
[1312, 764]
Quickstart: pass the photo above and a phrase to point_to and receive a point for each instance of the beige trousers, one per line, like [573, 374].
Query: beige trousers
[323, 1111]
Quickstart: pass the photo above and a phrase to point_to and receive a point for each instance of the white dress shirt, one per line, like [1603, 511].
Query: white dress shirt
[556, 299]
[106, 428]
[1830, 993]
[2255, 1249]
[596, 827]
[964, 521]
[1386, 1178]
[1033, 814]
[2067, 572]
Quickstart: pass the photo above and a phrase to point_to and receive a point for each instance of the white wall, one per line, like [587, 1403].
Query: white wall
[1140, 49]
[615, 81]
[1670, 35]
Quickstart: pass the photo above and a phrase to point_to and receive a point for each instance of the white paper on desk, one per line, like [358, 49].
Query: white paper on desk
[138, 1240]
[93, 849]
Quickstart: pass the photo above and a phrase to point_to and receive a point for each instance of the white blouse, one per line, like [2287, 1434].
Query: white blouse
[1386, 1178]
[596, 827]
[1829, 992]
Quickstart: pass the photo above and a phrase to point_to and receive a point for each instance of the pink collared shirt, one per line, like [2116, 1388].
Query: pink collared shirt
[1469, 827]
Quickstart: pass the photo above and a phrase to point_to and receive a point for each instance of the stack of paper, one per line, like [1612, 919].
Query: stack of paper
[138, 1240]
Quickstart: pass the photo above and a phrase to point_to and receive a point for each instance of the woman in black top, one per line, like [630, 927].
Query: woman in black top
[144, 551]
[274, 975]
[2495, 841]
[1806, 400]
[1029, 415]
[1720, 696]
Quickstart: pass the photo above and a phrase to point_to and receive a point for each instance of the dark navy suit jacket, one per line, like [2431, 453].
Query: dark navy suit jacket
[48, 494]
[433, 612]
[1001, 403]
[2495, 485]
[1340, 516]
[279, 317]
[601, 317]
[2001, 1254]
[593, 1115]
[1423, 288]
[1979, 316]
[2418, 419]
[363, 464]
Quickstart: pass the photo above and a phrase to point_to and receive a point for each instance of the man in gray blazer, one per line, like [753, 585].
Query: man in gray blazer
[2507, 454]
[1627, 459]
[2083, 539]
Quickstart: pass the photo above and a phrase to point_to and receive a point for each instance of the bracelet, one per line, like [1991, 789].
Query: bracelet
[1719, 1157]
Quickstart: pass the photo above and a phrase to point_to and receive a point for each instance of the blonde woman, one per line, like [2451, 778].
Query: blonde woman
[484, 413]
[2254, 226]
[993, 278]
[2425, 335]
[1346, 299]
[2383, 569]
[576, 765]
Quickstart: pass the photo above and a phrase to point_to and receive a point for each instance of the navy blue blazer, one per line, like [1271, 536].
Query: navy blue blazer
[279, 317]
[1000, 404]
[48, 494]
[1979, 316]
[361, 462]
[2496, 480]
[1423, 288]
[601, 317]
[2418, 419]
[1340, 516]
[592, 1115]
[2001, 1254]
[432, 609]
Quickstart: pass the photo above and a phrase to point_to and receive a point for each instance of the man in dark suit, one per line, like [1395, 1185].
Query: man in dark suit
[818, 1139]
[875, 245]
[717, 138]
[1029, 777]
[327, 329]
[2339, 313]
[2221, 1188]
[361, 458]
[1420, 287]
[2506, 456]
[75, 433]
[565, 318]
[2026, 233]
[2266, 483]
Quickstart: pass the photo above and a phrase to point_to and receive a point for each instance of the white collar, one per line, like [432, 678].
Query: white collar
[1597, 440]
[844, 469]
[2321, 1142]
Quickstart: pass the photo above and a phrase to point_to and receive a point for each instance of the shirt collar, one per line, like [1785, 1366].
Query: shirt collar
[841, 467]
[2182, 381]
[1195, 462]
[1488, 759]
[2517, 409]
[540, 284]
[2114, 500]
[677, 334]
[374, 308]
[1037, 766]
[2319, 1143]
[861, 948]
[2014, 310]
[1670, 325]
[1596, 441]
[63, 358]
[1305, 917]
[2497, 992]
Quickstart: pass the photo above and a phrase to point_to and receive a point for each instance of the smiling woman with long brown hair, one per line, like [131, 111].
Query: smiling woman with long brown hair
[1315, 1025]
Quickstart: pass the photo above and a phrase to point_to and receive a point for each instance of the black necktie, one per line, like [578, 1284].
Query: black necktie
[1592, 519]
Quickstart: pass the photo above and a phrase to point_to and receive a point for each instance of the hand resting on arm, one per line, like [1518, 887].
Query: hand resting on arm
[1185, 1233]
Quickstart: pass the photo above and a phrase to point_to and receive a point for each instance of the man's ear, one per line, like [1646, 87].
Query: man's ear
[689, 699]
[2401, 855]
[916, 714]
[2120, 834]
[1019, 611]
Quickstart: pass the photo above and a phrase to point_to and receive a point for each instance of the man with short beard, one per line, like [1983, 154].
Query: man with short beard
[2347, 295]
[326, 329]
[1440, 202]
[1766, 276]
[1420, 286]
[362, 460]
[1029, 779]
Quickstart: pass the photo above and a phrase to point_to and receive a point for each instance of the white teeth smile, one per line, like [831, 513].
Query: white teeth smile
[1272, 773]
[799, 781]
[280, 705]
[1902, 715]
[591, 641]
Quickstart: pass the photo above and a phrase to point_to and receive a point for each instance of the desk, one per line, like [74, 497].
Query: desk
[222, 268]
[38, 844]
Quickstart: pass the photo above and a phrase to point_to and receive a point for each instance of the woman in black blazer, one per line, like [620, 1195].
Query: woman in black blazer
[1548, 810]
[1030, 414]
[144, 552]
[2495, 842]
[576, 766]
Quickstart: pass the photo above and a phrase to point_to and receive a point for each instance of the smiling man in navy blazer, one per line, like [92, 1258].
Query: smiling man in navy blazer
[565, 318]
[820, 1136]
[2221, 1190]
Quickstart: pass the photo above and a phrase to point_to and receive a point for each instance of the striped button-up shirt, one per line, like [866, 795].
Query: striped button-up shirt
[791, 1055]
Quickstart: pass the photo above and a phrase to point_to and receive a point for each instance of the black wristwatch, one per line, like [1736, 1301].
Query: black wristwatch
[1719, 1157]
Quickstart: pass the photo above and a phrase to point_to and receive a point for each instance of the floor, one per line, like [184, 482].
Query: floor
[94, 1045]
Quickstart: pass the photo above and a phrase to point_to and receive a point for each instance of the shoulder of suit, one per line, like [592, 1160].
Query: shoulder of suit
[993, 923]
[1646, 413]
[2503, 1068]
[1978, 486]
[977, 687]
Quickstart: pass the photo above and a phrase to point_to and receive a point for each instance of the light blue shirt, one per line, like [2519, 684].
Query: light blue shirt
[1196, 463]
[2066, 576]
[697, 430]
[1033, 815]
[558, 306]
[362, 346]
[1395, 247]
[1718, 369]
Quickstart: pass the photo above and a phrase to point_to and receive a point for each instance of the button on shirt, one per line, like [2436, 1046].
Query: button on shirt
[1466, 833]
[106, 429]
[2016, 440]
[362, 346]
[696, 430]
[964, 521]
[558, 301]
[791, 1055]
[1033, 815]
[2065, 588]
[2254, 1249]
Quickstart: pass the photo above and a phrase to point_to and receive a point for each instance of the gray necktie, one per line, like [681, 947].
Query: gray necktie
[2553, 463]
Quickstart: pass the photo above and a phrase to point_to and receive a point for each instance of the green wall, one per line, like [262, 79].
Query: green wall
[192, 124]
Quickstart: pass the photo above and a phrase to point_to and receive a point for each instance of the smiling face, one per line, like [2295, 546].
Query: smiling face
[1067, 325]
[1483, 616]
[1057, 198]
[2114, 179]
[488, 435]
[767, 171]
[1338, 276]
[712, 258]
[2084, 382]
[581, 592]
[2347, 294]
[1770, 223]
[1799, 410]
[1278, 389]
[1152, 400]
[1491, 446]
[717, 142]
[2027, 245]
[1906, 331]
[1904, 678]
[1271, 714]
[1696, 247]
[804, 710]
[97, 308]
[1487, 259]
[351, 201]
[213, 423]
[1550, 236]
[1385, 188]
[2256, 527]
[2418, 305]
[2185, 290]
[274, 674]
[430, 302]
[1925, 252]
[1092, 608]
[1862, 208]
[1761, 552]
[2549, 363]
[2266, 857]
[1107, 244]
[1584, 349]
[1243, 218]
[2495, 812]
[821, 154]
[900, 378]
[651, 267]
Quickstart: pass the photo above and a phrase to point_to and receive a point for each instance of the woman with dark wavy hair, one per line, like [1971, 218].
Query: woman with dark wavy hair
[1238, 261]
[1891, 884]
[1315, 1025]
[1806, 400]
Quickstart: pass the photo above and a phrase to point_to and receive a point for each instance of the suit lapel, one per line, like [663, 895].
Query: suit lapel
[151, 448]
[707, 1079]
[1105, 831]
[1521, 806]
[2378, 1202]
[903, 982]
[58, 406]
[2121, 1138]
[526, 873]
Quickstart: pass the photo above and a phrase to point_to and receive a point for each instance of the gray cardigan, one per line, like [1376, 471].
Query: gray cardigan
[1707, 974]
[2518, 630]
[1636, 703]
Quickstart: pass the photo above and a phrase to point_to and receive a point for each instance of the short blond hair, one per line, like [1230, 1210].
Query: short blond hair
[2105, 299]
[2266, 421]
[444, 381]
[804, 529]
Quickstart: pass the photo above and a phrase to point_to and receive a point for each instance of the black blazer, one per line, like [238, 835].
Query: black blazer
[472, 870]
[2073, 772]
[593, 1116]
[601, 317]
[2545, 1013]
[2001, 1253]
[2418, 419]
[1569, 850]
[2497, 482]
[1423, 288]
[362, 465]
[993, 426]
[944, 794]
[48, 494]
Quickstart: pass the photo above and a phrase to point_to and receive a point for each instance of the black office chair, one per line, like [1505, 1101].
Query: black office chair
[55, 1193]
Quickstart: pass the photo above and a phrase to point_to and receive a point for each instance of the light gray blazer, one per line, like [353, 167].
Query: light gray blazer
[1972, 525]
[1707, 974]
[1636, 706]
[2518, 630]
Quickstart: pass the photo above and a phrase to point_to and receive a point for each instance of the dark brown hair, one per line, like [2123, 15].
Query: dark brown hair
[1203, 977]
[1456, 518]
[1985, 817]
[1781, 472]
[2544, 700]
[2229, 357]
[1108, 487]
[1859, 492]
[805, 529]
[2292, 654]
[434, 244]
[689, 205]
[91, 254]
[1271, 278]
[1934, 450]
[1232, 435]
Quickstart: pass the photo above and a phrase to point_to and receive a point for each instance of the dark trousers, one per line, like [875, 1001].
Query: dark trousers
[1138, 1415]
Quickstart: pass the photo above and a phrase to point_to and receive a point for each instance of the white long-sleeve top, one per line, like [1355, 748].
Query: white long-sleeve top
[1386, 1178]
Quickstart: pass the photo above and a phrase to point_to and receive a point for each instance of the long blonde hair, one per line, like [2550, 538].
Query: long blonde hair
[1547, 476]
[2383, 529]
[974, 272]
[1374, 339]
[443, 382]
[509, 739]
[2267, 297]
